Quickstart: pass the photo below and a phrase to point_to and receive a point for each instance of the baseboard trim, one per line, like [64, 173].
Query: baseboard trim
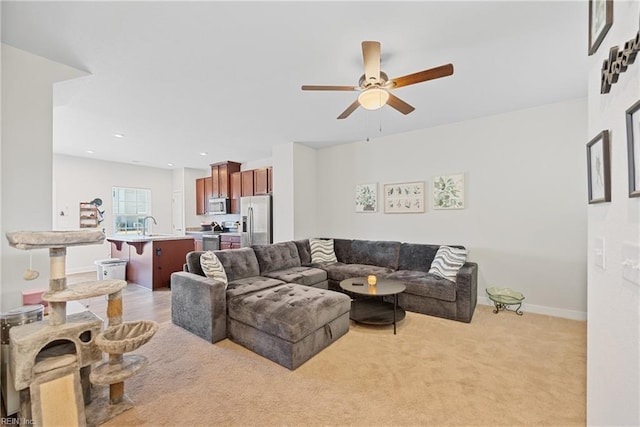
[85, 269]
[540, 309]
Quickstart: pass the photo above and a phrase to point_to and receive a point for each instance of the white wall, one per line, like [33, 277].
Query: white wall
[283, 201]
[294, 192]
[256, 164]
[305, 192]
[190, 175]
[79, 179]
[613, 344]
[525, 216]
[27, 107]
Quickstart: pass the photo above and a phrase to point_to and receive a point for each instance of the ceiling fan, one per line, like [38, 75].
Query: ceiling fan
[375, 85]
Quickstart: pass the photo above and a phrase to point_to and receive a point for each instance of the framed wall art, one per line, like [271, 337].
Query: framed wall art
[600, 20]
[404, 198]
[633, 148]
[448, 192]
[598, 168]
[366, 197]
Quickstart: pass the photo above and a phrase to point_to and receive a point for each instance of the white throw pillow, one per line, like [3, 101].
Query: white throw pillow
[322, 251]
[448, 261]
[213, 268]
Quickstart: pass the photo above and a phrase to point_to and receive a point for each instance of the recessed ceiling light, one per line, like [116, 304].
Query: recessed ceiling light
[204, 153]
[89, 151]
[118, 135]
[170, 164]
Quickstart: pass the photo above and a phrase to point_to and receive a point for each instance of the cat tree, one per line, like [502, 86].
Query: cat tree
[51, 362]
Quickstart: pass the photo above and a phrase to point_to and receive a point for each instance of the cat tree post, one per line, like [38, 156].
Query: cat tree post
[57, 282]
[114, 313]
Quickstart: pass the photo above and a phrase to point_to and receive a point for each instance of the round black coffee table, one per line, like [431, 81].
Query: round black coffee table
[372, 311]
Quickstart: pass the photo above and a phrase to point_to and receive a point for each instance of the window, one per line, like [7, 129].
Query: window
[130, 206]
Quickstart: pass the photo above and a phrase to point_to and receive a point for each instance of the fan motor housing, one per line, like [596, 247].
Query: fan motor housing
[363, 83]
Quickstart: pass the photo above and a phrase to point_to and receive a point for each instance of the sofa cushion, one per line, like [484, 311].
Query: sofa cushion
[339, 271]
[193, 263]
[212, 267]
[416, 256]
[301, 275]
[375, 252]
[290, 311]
[448, 261]
[322, 251]
[342, 248]
[425, 284]
[277, 256]
[304, 251]
[239, 263]
[247, 285]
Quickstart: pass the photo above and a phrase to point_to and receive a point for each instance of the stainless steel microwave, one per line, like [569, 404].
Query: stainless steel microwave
[219, 206]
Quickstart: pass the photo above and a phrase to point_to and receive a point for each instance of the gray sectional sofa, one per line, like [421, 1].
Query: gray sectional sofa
[281, 305]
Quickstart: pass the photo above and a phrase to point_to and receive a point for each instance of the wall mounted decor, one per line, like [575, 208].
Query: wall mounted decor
[633, 148]
[600, 20]
[448, 192]
[404, 198]
[617, 62]
[367, 197]
[598, 168]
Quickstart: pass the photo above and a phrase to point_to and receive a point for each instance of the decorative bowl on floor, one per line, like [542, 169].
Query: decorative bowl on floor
[126, 337]
[505, 295]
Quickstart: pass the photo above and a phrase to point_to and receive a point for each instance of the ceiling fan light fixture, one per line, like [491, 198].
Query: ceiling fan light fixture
[373, 98]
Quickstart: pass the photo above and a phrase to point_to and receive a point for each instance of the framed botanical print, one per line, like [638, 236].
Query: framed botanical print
[633, 148]
[404, 198]
[600, 20]
[598, 168]
[366, 197]
[448, 192]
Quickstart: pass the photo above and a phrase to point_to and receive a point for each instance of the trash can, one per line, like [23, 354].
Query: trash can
[111, 269]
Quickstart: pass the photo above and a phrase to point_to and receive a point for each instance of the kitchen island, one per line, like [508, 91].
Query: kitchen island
[151, 259]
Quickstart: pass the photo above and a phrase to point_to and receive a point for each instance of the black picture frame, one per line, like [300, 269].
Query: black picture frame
[600, 20]
[633, 148]
[599, 168]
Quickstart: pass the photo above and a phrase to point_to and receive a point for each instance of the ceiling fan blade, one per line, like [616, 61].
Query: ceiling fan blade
[399, 104]
[320, 87]
[422, 76]
[350, 109]
[371, 57]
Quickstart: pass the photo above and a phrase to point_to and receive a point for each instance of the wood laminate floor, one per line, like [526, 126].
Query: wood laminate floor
[138, 302]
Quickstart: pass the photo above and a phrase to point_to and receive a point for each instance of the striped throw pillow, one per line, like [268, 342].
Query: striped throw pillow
[322, 251]
[213, 268]
[448, 261]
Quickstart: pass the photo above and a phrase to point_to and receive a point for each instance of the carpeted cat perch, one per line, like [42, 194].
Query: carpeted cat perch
[51, 362]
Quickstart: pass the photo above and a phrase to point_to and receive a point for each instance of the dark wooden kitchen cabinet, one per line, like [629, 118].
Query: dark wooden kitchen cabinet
[229, 241]
[150, 262]
[201, 204]
[261, 181]
[235, 184]
[247, 183]
[204, 191]
[221, 176]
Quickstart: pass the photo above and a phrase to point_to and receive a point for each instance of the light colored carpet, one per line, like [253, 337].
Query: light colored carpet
[501, 369]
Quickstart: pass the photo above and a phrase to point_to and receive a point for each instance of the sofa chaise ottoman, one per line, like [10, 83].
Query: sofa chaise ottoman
[287, 323]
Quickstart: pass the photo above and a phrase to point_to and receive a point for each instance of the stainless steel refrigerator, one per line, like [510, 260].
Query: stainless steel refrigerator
[255, 220]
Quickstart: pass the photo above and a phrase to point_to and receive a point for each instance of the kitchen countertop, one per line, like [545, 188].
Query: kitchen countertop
[134, 238]
[210, 233]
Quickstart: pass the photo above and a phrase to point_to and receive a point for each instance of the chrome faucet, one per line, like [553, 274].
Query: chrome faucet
[144, 224]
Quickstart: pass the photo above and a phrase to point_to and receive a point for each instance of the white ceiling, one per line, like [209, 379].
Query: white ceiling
[180, 78]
